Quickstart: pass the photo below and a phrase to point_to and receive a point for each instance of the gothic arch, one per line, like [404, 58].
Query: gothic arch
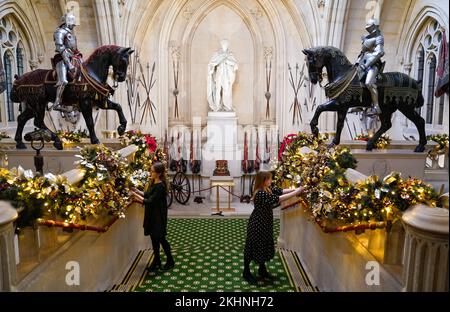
[194, 23]
[33, 39]
[162, 18]
[299, 18]
[413, 30]
[135, 28]
[279, 51]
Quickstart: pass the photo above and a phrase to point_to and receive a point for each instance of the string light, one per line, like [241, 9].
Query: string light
[104, 189]
[331, 196]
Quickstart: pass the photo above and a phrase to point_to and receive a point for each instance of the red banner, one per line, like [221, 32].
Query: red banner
[442, 70]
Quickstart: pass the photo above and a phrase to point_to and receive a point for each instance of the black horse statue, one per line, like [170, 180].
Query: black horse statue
[86, 90]
[345, 90]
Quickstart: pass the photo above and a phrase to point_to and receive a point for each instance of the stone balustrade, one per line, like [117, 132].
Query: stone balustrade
[426, 249]
[409, 255]
[439, 162]
[100, 257]
[436, 172]
[8, 272]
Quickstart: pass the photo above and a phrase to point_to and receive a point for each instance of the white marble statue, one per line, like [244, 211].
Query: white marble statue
[221, 75]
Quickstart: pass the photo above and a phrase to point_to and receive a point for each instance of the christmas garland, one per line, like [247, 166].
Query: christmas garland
[4, 135]
[381, 143]
[331, 197]
[103, 191]
[104, 188]
[441, 148]
[148, 153]
[26, 192]
[72, 136]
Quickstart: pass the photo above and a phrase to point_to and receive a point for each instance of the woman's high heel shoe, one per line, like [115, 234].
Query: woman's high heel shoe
[154, 266]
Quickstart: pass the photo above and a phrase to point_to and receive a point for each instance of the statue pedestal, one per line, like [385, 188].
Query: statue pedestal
[383, 162]
[398, 156]
[55, 161]
[221, 143]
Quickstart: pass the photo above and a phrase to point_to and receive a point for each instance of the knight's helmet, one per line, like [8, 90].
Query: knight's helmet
[372, 25]
[69, 20]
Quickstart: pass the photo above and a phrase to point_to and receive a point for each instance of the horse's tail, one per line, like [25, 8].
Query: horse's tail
[420, 100]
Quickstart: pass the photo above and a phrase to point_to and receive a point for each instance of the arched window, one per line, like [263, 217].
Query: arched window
[20, 59]
[420, 67]
[431, 87]
[14, 61]
[7, 61]
[427, 49]
[420, 63]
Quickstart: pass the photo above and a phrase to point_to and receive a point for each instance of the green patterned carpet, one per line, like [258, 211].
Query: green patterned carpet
[208, 254]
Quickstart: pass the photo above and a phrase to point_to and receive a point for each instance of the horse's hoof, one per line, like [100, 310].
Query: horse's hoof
[21, 145]
[419, 149]
[96, 141]
[315, 130]
[331, 145]
[121, 129]
[58, 145]
[369, 147]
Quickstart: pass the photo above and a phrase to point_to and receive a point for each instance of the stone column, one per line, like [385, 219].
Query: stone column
[426, 249]
[8, 270]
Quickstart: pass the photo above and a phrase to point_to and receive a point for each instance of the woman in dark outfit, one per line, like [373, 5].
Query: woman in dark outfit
[155, 217]
[259, 245]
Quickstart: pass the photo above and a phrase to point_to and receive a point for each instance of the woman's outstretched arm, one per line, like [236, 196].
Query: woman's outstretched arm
[293, 193]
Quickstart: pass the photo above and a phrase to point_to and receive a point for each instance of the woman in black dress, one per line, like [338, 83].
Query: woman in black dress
[155, 217]
[259, 245]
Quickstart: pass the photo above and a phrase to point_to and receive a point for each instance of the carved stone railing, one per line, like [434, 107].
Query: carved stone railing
[8, 272]
[426, 249]
[53, 244]
[415, 259]
[436, 171]
[438, 162]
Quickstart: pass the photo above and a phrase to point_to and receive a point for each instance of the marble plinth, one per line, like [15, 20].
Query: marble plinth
[395, 144]
[383, 162]
[221, 143]
[55, 161]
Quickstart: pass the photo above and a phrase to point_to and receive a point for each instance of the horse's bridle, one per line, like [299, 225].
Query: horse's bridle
[100, 88]
[315, 71]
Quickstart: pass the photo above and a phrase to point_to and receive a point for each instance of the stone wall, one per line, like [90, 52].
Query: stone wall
[257, 29]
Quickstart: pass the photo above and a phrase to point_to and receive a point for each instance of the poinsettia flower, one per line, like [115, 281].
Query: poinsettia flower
[151, 143]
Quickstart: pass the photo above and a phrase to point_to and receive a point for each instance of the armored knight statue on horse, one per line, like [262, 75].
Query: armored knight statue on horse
[84, 88]
[369, 61]
[67, 55]
[347, 88]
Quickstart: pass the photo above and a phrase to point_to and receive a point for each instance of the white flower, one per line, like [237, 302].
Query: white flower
[51, 177]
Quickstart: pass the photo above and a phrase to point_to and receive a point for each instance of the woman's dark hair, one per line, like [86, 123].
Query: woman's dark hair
[160, 169]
